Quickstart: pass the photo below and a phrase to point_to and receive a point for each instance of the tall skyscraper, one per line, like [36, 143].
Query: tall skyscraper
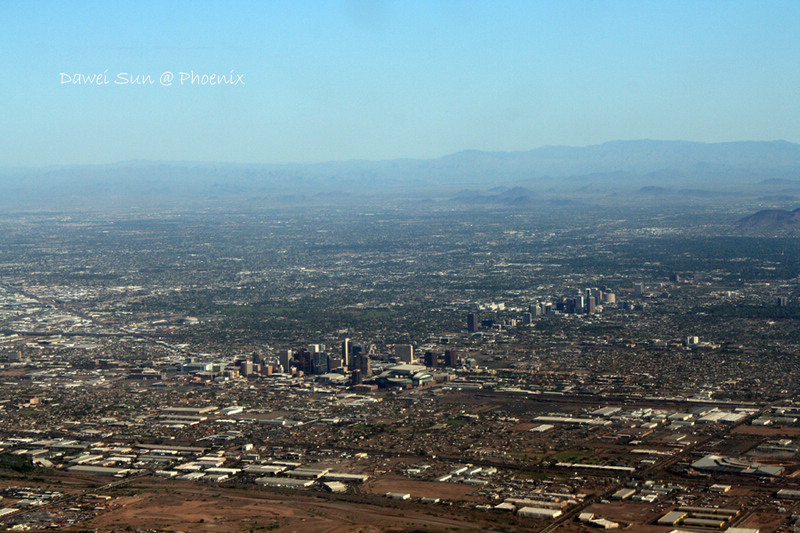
[305, 361]
[334, 363]
[580, 304]
[361, 362]
[347, 351]
[450, 358]
[404, 352]
[472, 322]
[430, 359]
[320, 363]
[285, 360]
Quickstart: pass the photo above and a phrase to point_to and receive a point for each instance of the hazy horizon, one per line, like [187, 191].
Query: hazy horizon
[366, 160]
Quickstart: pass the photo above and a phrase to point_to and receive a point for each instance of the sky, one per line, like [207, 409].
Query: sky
[313, 81]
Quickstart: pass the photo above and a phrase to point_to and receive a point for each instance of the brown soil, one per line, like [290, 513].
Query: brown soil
[181, 507]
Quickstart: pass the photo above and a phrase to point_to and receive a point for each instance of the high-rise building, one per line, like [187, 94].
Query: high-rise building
[361, 362]
[320, 363]
[450, 358]
[305, 361]
[404, 352]
[285, 359]
[472, 322]
[334, 363]
[346, 353]
[430, 359]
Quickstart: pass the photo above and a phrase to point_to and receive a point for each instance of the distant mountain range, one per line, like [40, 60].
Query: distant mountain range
[650, 167]
[772, 220]
[516, 196]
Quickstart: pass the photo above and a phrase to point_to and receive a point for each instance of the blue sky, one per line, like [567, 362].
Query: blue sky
[334, 80]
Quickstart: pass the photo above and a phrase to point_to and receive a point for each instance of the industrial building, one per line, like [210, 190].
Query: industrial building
[720, 463]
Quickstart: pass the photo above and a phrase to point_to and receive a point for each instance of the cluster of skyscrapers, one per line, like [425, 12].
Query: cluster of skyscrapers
[316, 359]
[587, 302]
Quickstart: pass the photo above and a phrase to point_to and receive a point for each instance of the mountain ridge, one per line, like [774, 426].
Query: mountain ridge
[614, 165]
[555, 150]
[771, 219]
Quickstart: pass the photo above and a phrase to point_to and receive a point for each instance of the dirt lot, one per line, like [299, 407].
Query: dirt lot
[172, 506]
[626, 513]
[768, 431]
[424, 489]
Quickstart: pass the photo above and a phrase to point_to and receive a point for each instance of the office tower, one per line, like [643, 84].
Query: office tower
[404, 352]
[284, 359]
[334, 363]
[320, 363]
[638, 289]
[361, 362]
[450, 358]
[305, 361]
[430, 359]
[472, 322]
[346, 353]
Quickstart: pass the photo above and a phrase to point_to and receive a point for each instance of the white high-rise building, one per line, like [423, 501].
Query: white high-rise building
[347, 351]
